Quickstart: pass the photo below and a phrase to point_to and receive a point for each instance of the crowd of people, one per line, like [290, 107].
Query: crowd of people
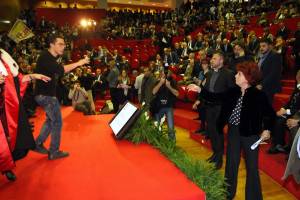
[224, 59]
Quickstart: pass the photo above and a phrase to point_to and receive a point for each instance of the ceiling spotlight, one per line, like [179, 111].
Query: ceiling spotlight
[83, 23]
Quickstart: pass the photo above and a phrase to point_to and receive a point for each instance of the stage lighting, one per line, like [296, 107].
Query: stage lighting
[83, 23]
[89, 23]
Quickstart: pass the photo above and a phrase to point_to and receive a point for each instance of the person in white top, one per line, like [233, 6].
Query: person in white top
[138, 83]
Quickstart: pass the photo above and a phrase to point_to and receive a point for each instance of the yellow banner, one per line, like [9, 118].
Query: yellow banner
[20, 31]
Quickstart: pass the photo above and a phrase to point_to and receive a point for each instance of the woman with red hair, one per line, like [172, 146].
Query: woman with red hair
[250, 118]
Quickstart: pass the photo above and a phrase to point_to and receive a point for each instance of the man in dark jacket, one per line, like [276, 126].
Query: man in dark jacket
[219, 80]
[270, 64]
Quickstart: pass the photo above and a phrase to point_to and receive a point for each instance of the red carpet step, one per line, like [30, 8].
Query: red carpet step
[98, 168]
[273, 165]
[288, 83]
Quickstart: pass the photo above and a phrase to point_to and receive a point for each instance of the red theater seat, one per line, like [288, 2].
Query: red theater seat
[135, 63]
[182, 92]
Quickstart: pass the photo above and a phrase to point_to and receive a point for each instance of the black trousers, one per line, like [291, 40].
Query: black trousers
[235, 144]
[280, 128]
[202, 115]
[215, 131]
[114, 93]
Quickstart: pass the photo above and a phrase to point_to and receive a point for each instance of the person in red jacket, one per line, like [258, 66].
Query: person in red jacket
[15, 133]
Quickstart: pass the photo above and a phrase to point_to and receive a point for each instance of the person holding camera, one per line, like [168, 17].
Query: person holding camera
[80, 100]
[166, 93]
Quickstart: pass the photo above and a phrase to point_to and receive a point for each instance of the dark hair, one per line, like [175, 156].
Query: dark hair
[250, 70]
[265, 40]
[240, 44]
[52, 38]
[219, 53]
[205, 60]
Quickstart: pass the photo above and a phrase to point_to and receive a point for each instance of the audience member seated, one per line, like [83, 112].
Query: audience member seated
[262, 20]
[287, 117]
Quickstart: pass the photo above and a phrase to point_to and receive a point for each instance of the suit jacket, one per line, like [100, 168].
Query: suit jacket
[197, 45]
[294, 102]
[172, 58]
[178, 52]
[148, 83]
[271, 73]
[224, 82]
[228, 51]
[284, 33]
[253, 46]
[105, 59]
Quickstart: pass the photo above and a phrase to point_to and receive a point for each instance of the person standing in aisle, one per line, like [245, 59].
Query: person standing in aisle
[46, 95]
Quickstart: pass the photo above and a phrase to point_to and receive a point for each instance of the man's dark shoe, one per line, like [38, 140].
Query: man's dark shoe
[287, 149]
[40, 148]
[218, 164]
[200, 130]
[276, 149]
[10, 175]
[57, 155]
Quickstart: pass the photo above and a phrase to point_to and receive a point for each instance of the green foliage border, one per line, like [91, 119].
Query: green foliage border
[202, 173]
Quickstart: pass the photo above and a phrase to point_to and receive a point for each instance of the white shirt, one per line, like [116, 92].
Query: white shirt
[298, 147]
[138, 83]
[13, 66]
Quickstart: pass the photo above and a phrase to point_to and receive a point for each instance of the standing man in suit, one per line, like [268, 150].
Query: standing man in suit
[227, 48]
[99, 83]
[219, 80]
[105, 57]
[282, 31]
[270, 64]
[112, 79]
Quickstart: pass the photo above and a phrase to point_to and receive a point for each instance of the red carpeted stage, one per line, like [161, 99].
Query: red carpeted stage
[99, 167]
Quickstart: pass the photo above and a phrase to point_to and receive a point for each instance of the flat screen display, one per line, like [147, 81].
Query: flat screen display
[122, 117]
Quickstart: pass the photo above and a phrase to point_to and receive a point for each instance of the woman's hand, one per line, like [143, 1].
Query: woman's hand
[2, 79]
[265, 135]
